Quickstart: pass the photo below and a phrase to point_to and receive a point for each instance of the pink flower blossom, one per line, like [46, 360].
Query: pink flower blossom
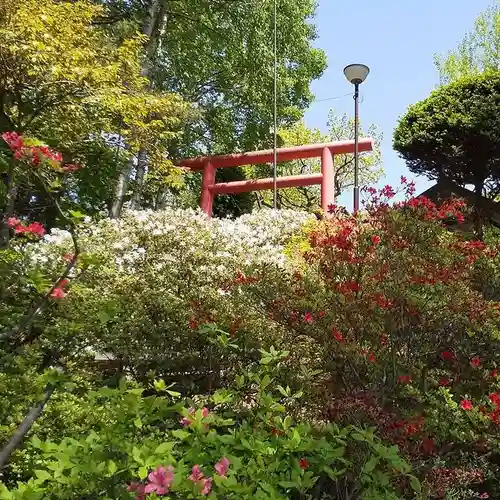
[71, 167]
[13, 222]
[35, 228]
[205, 412]
[58, 293]
[466, 404]
[196, 474]
[160, 480]
[222, 466]
[186, 421]
[308, 318]
[14, 140]
[206, 486]
[139, 489]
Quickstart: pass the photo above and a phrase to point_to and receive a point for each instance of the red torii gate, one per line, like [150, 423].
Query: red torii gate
[326, 178]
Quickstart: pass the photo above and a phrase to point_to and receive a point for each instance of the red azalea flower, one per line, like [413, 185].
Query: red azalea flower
[321, 314]
[428, 445]
[58, 293]
[375, 239]
[444, 382]
[494, 398]
[404, 379]
[475, 362]
[466, 404]
[308, 318]
[35, 228]
[411, 429]
[337, 335]
[384, 340]
[448, 356]
[372, 358]
[304, 464]
[332, 208]
[494, 373]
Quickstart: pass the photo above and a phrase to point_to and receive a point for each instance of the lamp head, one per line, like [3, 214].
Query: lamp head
[356, 73]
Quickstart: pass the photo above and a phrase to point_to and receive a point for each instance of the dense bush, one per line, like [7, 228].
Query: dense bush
[393, 322]
[135, 440]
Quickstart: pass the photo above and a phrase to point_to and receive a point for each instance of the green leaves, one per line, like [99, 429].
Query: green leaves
[442, 134]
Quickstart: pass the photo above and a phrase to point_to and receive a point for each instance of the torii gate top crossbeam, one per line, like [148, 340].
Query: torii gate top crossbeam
[284, 154]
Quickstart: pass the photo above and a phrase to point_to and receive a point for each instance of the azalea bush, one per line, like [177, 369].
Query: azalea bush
[153, 279]
[145, 446]
[394, 306]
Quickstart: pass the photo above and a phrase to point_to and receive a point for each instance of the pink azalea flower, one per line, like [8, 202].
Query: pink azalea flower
[196, 474]
[466, 404]
[206, 486]
[186, 421]
[160, 480]
[308, 317]
[139, 489]
[14, 140]
[222, 466]
[71, 167]
[58, 293]
[13, 222]
[205, 412]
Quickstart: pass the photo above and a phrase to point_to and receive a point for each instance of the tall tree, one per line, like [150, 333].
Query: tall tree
[218, 54]
[478, 51]
[340, 127]
[455, 132]
[69, 83]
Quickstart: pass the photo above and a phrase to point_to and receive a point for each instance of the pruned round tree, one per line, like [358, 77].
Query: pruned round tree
[455, 132]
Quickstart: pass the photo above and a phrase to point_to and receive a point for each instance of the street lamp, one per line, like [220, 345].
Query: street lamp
[356, 74]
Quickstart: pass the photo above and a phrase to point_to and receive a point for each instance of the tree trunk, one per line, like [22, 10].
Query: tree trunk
[120, 190]
[151, 28]
[478, 222]
[9, 206]
[139, 180]
[24, 427]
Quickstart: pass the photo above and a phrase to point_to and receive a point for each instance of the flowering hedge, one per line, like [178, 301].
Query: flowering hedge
[393, 321]
[148, 282]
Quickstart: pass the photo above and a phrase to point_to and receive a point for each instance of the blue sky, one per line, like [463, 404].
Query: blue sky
[397, 40]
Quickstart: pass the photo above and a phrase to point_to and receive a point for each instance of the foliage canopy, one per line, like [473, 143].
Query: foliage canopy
[455, 133]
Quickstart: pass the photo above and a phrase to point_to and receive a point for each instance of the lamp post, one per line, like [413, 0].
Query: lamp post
[356, 74]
